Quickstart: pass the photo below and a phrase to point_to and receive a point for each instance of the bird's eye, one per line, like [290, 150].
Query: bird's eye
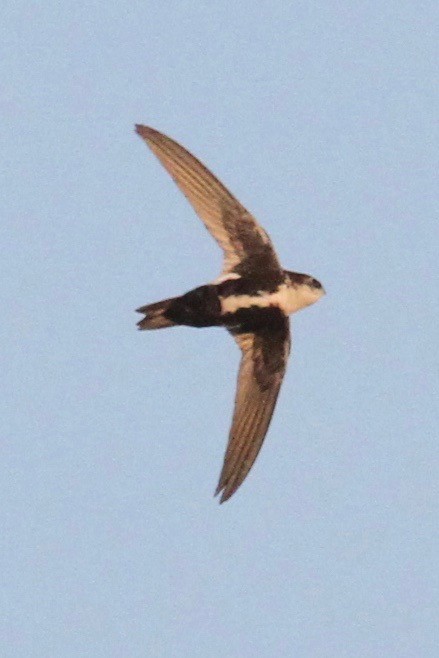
[316, 284]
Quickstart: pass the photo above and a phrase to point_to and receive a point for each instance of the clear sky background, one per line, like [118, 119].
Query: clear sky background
[322, 117]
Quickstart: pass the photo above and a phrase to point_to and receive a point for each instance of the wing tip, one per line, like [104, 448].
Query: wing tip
[147, 133]
[223, 497]
[143, 131]
[225, 490]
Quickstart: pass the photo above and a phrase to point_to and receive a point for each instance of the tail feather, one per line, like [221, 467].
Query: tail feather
[155, 315]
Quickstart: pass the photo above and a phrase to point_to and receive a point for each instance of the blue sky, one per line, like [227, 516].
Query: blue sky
[322, 119]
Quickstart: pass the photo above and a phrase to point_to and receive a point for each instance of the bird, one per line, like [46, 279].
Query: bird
[252, 299]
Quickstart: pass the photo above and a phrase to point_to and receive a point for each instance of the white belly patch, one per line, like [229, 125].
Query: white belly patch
[288, 299]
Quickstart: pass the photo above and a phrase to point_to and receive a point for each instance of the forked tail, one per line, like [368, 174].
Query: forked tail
[155, 317]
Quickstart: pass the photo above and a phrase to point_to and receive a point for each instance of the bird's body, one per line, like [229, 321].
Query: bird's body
[252, 299]
[236, 304]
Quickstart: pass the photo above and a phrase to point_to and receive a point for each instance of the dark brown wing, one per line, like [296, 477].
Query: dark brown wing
[263, 364]
[233, 227]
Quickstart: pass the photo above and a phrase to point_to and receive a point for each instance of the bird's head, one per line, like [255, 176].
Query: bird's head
[310, 289]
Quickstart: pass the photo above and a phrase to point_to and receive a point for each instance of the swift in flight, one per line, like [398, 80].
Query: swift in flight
[252, 299]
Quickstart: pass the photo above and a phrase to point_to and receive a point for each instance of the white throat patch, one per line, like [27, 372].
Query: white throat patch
[288, 298]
